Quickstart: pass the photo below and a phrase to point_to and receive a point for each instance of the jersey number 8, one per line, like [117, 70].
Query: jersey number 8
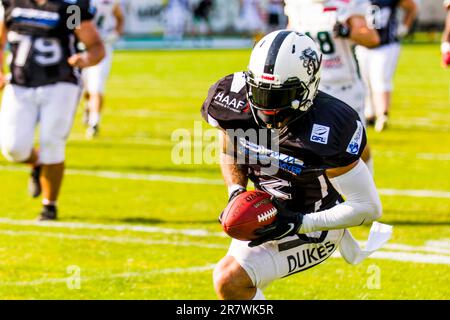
[325, 41]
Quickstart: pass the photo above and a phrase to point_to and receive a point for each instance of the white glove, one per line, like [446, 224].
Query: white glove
[445, 47]
[402, 30]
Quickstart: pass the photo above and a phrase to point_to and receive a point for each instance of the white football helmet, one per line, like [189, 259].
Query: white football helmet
[282, 78]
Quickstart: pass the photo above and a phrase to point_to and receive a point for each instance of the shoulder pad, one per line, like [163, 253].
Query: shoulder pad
[226, 103]
[337, 133]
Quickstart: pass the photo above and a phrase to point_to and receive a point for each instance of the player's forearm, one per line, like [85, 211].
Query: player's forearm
[3, 40]
[120, 26]
[446, 33]
[95, 53]
[233, 173]
[410, 9]
[366, 37]
[361, 34]
[362, 203]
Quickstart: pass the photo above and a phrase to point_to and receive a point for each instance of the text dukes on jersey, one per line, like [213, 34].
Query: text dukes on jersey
[329, 135]
[41, 38]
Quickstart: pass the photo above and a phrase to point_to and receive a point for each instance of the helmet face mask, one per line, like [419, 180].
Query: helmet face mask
[273, 106]
[283, 78]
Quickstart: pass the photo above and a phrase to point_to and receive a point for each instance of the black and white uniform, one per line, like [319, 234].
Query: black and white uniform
[329, 135]
[377, 65]
[339, 71]
[43, 86]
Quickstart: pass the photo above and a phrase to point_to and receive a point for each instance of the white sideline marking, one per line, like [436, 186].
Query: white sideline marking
[120, 240]
[396, 256]
[130, 176]
[78, 137]
[125, 275]
[186, 232]
[434, 156]
[406, 257]
[441, 243]
[415, 193]
[403, 247]
[421, 156]
[111, 227]
[144, 113]
[197, 180]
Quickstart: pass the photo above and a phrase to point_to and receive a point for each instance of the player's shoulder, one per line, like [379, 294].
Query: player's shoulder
[333, 131]
[332, 110]
[226, 104]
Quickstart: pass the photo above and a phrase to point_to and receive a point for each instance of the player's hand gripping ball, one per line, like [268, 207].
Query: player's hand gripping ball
[249, 211]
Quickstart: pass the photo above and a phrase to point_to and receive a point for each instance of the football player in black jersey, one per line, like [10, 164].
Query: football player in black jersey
[306, 155]
[44, 85]
[378, 64]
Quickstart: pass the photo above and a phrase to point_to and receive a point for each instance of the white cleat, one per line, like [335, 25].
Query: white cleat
[91, 132]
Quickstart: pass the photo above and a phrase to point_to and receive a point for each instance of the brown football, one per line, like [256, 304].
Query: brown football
[246, 213]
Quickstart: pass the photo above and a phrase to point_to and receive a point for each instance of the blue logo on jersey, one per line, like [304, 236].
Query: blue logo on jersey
[35, 17]
[355, 144]
[265, 155]
[353, 148]
[320, 134]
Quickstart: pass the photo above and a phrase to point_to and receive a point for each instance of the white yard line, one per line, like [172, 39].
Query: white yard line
[409, 155]
[78, 137]
[434, 156]
[124, 275]
[441, 243]
[407, 248]
[381, 254]
[111, 227]
[119, 240]
[407, 257]
[206, 181]
[415, 193]
[130, 176]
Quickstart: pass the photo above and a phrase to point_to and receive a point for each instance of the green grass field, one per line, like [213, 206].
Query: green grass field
[132, 228]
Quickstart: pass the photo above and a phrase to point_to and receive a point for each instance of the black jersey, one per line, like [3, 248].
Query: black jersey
[329, 135]
[384, 14]
[41, 39]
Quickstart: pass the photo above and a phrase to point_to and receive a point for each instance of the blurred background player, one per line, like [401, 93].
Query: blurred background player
[276, 19]
[176, 16]
[378, 64]
[445, 46]
[337, 26]
[251, 17]
[110, 21]
[44, 86]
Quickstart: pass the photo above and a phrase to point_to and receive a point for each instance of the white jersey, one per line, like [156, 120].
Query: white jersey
[317, 19]
[104, 17]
